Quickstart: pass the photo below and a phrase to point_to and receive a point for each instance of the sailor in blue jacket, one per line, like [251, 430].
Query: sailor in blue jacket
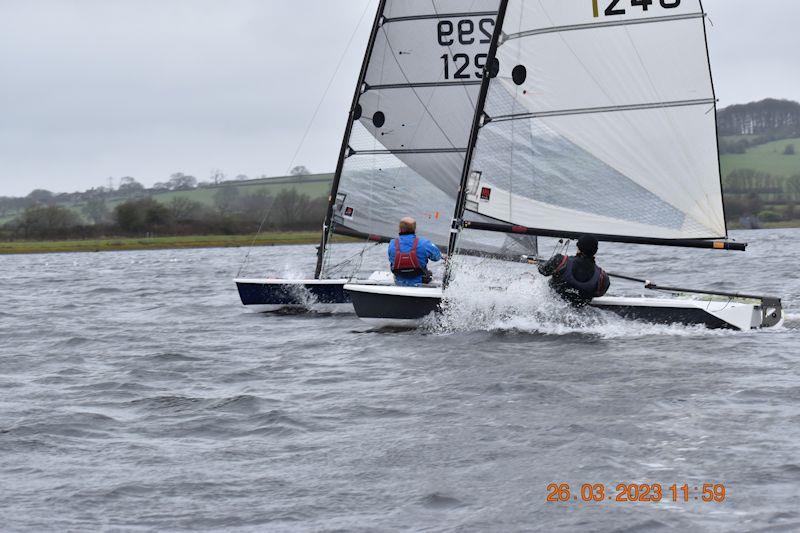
[410, 265]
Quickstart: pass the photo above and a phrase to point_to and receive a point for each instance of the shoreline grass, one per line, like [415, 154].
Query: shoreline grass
[785, 224]
[158, 243]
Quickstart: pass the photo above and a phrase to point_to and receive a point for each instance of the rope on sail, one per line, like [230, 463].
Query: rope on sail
[253, 243]
[307, 131]
[359, 257]
[328, 87]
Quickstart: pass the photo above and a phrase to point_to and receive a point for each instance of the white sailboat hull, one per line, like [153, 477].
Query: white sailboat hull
[392, 306]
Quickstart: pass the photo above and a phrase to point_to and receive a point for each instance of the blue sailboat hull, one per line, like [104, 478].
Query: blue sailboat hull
[273, 294]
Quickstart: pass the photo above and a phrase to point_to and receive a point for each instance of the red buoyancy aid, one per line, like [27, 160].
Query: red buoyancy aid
[406, 264]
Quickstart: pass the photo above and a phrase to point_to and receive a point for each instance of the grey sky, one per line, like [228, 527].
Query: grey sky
[92, 89]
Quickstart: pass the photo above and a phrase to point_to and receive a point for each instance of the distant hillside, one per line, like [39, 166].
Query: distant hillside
[769, 158]
[760, 155]
[314, 186]
[761, 136]
[179, 207]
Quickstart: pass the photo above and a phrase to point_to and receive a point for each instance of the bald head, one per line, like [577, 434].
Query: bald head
[408, 225]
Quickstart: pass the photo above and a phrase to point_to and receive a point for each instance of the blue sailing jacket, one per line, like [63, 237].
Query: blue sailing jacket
[426, 251]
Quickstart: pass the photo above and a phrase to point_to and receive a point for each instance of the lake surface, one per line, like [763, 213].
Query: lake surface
[137, 394]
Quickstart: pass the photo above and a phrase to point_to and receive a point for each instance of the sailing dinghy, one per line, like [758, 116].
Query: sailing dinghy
[594, 117]
[404, 147]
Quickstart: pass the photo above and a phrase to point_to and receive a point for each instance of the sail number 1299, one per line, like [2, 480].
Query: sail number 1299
[465, 32]
[616, 7]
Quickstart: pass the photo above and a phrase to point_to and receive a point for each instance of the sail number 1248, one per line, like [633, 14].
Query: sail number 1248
[617, 7]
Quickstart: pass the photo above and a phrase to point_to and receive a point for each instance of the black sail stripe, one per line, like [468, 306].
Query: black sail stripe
[411, 151]
[413, 85]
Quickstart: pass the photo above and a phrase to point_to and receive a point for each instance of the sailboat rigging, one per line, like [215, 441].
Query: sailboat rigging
[593, 121]
[405, 141]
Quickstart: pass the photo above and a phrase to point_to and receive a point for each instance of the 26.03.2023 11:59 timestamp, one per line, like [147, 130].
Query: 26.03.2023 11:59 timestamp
[636, 492]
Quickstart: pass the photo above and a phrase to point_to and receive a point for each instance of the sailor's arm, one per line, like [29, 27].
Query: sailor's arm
[434, 254]
[605, 284]
[549, 268]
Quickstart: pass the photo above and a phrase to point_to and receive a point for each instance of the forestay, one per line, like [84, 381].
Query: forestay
[410, 126]
[601, 120]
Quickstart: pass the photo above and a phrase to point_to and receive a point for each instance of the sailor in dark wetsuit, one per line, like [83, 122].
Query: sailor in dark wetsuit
[409, 256]
[577, 279]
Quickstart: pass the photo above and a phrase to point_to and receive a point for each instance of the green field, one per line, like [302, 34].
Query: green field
[314, 186]
[159, 243]
[767, 158]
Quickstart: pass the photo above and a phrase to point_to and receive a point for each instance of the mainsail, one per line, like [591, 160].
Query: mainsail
[602, 119]
[404, 149]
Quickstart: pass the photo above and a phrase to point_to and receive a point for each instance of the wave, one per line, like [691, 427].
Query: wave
[169, 357]
[791, 321]
[171, 404]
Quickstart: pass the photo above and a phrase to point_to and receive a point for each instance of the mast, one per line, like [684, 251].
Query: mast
[343, 153]
[716, 123]
[477, 122]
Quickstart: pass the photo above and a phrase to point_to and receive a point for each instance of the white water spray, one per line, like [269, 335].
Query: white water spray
[496, 296]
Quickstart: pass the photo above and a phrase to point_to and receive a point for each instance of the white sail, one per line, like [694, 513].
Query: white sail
[601, 120]
[406, 151]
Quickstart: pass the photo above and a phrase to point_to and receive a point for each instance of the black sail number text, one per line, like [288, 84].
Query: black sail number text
[464, 32]
[616, 7]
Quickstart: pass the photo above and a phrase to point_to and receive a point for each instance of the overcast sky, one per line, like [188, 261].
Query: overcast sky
[92, 89]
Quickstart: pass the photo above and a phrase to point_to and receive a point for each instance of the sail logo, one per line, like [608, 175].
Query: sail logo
[348, 213]
[613, 8]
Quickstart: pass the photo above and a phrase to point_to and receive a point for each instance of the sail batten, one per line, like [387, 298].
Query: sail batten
[409, 152]
[607, 109]
[422, 85]
[437, 16]
[596, 25]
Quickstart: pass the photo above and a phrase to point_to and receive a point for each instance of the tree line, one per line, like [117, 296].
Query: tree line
[749, 193]
[128, 188]
[770, 117]
[232, 213]
[757, 123]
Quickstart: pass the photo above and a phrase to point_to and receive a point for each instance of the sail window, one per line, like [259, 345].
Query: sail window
[379, 119]
[519, 74]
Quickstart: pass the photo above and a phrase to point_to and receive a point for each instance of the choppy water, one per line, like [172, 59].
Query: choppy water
[136, 394]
